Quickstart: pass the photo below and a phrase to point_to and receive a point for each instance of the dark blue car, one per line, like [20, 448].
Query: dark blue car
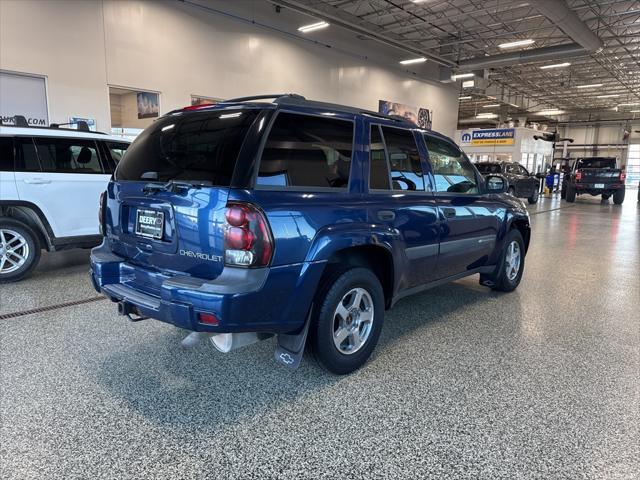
[297, 218]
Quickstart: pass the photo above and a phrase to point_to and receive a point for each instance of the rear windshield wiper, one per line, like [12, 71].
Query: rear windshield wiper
[174, 186]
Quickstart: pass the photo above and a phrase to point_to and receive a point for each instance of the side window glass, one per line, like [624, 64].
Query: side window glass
[116, 150]
[26, 155]
[306, 151]
[523, 171]
[404, 159]
[6, 154]
[378, 167]
[66, 155]
[452, 171]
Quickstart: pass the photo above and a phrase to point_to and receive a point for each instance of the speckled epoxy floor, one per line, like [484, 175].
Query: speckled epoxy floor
[465, 383]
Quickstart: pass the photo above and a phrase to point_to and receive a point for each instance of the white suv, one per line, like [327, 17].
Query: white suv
[50, 183]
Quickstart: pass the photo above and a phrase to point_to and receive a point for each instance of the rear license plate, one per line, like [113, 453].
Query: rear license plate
[150, 223]
[599, 185]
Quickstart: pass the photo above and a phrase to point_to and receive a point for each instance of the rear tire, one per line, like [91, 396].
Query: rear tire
[511, 263]
[534, 198]
[618, 197]
[571, 194]
[19, 250]
[347, 323]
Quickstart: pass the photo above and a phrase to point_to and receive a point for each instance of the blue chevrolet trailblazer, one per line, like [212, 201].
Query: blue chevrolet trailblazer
[300, 219]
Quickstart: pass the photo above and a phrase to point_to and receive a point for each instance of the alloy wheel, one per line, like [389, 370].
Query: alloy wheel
[353, 321]
[14, 251]
[513, 260]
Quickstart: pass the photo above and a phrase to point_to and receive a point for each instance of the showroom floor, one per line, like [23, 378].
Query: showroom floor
[465, 383]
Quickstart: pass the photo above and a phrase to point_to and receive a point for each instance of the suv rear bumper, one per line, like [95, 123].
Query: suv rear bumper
[273, 300]
[591, 188]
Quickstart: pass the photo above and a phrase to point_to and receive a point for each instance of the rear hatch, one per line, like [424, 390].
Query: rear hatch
[598, 170]
[166, 206]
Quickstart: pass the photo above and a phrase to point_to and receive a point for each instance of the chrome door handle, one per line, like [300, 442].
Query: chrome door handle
[36, 181]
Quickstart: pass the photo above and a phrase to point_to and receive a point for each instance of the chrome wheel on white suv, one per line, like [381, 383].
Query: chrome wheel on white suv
[19, 249]
[14, 251]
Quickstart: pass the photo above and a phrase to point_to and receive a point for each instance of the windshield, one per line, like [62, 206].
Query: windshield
[197, 146]
[485, 168]
[596, 162]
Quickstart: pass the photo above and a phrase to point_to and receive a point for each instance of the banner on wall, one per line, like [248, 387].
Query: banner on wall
[148, 105]
[489, 137]
[91, 122]
[422, 117]
[24, 95]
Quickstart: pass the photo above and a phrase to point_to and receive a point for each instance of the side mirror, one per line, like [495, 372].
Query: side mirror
[496, 183]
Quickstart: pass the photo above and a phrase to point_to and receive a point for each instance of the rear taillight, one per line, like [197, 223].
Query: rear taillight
[101, 211]
[247, 238]
[578, 176]
[623, 176]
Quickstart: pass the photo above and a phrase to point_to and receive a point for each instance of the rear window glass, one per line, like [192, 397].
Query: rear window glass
[307, 151]
[596, 163]
[202, 147]
[488, 167]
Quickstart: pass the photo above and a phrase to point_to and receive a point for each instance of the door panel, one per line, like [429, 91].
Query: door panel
[405, 207]
[64, 177]
[68, 200]
[468, 220]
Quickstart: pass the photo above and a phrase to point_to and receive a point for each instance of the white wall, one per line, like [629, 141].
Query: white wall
[179, 50]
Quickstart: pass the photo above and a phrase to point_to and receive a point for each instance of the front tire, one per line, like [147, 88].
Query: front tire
[534, 198]
[19, 250]
[511, 263]
[571, 194]
[618, 197]
[347, 323]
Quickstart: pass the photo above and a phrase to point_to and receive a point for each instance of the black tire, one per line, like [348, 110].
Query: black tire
[571, 194]
[32, 258]
[325, 319]
[606, 196]
[534, 198]
[563, 192]
[618, 197]
[501, 280]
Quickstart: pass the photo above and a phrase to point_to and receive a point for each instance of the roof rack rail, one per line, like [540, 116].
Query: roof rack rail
[82, 126]
[264, 97]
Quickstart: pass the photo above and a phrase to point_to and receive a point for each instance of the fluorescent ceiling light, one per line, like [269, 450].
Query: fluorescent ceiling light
[413, 60]
[549, 113]
[634, 111]
[493, 105]
[313, 26]
[462, 75]
[517, 43]
[628, 104]
[465, 98]
[486, 115]
[613, 95]
[555, 65]
[468, 84]
[514, 105]
[593, 85]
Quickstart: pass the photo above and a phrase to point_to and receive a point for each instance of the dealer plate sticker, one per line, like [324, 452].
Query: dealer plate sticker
[150, 223]
[599, 185]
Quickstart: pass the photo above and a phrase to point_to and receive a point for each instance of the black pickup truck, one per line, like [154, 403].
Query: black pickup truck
[595, 176]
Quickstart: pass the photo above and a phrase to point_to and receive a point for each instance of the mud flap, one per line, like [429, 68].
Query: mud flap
[290, 348]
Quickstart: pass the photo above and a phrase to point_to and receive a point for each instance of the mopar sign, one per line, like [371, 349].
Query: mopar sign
[497, 136]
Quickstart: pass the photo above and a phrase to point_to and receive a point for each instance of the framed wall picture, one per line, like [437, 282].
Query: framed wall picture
[148, 105]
